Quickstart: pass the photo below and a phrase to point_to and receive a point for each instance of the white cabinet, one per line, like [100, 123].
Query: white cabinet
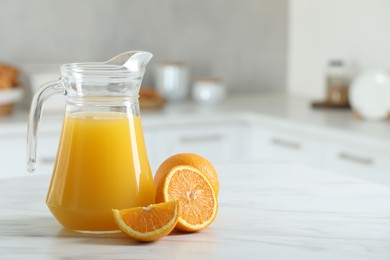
[47, 152]
[151, 142]
[13, 155]
[281, 144]
[278, 144]
[360, 161]
[218, 142]
[224, 139]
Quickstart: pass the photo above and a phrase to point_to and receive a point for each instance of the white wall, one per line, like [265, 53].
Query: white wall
[355, 30]
[243, 42]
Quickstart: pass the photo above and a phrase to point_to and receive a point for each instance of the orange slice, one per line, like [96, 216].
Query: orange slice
[148, 223]
[198, 203]
[194, 160]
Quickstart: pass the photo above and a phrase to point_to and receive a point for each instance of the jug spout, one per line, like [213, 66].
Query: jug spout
[134, 61]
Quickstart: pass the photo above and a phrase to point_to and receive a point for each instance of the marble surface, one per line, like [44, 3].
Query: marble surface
[267, 211]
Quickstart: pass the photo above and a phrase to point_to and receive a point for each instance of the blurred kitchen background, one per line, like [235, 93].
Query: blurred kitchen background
[289, 71]
[243, 42]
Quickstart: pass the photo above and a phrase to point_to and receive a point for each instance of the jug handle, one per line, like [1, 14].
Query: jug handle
[41, 95]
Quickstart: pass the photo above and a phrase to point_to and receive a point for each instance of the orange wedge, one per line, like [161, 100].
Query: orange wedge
[148, 223]
[190, 159]
[198, 203]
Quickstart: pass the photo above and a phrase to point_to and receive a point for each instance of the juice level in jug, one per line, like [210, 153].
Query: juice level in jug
[101, 164]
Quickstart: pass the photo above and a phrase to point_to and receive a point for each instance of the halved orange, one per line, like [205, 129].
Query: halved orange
[198, 204]
[148, 223]
[190, 159]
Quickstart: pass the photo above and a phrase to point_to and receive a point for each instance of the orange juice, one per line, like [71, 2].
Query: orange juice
[101, 164]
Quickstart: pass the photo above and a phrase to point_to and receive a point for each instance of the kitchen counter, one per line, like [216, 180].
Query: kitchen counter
[267, 211]
[275, 108]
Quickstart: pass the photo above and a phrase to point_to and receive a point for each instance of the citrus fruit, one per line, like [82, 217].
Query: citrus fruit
[148, 223]
[190, 159]
[198, 204]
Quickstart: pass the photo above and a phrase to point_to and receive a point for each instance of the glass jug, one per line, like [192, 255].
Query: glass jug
[101, 161]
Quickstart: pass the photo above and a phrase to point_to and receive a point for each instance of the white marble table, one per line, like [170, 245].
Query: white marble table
[267, 211]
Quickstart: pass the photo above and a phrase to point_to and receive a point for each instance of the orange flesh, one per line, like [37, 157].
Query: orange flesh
[195, 196]
[149, 218]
